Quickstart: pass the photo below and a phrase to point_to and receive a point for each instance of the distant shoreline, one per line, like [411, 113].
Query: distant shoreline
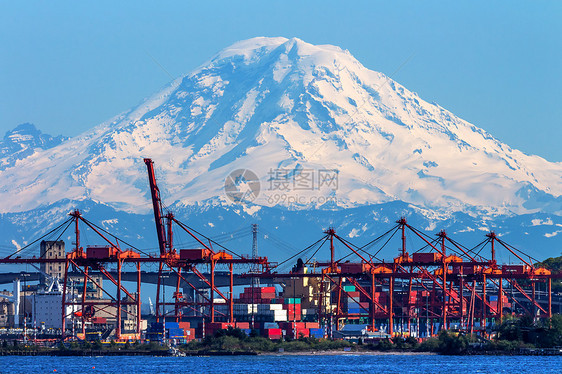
[166, 353]
[347, 353]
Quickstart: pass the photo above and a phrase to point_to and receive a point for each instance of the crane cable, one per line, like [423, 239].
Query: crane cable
[36, 240]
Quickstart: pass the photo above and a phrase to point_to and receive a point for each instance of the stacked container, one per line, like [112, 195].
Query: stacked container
[271, 313]
[293, 307]
[272, 333]
[257, 295]
[295, 330]
[317, 333]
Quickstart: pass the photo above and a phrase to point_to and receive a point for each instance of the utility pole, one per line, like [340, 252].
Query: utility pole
[255, 267]
[24, 275]
[164, 277]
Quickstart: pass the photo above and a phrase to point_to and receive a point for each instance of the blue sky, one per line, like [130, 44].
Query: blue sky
[68, 66]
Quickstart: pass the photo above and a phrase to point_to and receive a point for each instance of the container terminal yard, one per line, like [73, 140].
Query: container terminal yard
[89, 292]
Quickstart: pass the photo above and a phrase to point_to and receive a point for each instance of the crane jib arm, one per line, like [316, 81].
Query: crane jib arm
[156, 205]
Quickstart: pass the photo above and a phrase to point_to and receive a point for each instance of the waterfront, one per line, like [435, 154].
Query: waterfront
[345, 363]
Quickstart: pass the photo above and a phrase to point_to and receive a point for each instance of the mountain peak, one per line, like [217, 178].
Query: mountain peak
[23, 141]
[271, 48]
[278, 104]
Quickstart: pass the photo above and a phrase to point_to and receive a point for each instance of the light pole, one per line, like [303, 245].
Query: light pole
[164, 277]
[24, 275]
[461, 286]
[427, 314]
[34, 318]
[294, 310]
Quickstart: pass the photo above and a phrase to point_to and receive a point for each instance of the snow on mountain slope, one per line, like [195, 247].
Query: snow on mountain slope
[270, 104]
[22, 142]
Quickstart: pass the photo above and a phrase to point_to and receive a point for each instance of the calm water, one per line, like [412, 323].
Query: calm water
[284, 364]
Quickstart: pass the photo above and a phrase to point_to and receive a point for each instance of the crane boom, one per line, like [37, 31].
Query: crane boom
[156, 205]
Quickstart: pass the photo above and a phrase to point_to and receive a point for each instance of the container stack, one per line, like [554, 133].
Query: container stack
[295, 330]
[180, 331]
[352, 302]
[221, 312]
[309, 314]
[317, 333]
[257, 295]
[293, 307]
[271, 330]
[212, 327]
[493, 301]
[155, 332]
[271, 313]
[357, 308]
[173, 331]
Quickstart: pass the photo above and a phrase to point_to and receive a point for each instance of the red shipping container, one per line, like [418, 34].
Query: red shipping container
[355, 268]
[426, 257]
[194, 254]
[100, 252]
[515, 269]
[291, 325]
[184, 325]
[190, 334]
[292, 306]
[305, 333]
[272, 333]
[269, 296]
[294, 316]
[312, 325]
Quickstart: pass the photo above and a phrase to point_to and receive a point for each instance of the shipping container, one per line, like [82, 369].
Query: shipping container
[274, 333]
[426, 257]
[292, 300]
[355, 268]
[101, 252]
[516, 269]
[194, 254]
[316, 333]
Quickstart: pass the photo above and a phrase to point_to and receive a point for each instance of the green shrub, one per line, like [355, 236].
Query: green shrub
[260, 344]
[384, 345]
[429, 345]
[452, 344]
[226, 343]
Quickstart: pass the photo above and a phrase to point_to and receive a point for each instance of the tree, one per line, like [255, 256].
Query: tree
[452, 344]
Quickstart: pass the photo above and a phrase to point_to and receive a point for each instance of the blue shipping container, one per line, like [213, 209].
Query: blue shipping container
[317, 333]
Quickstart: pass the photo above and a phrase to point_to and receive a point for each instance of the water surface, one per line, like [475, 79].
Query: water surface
[284, 364]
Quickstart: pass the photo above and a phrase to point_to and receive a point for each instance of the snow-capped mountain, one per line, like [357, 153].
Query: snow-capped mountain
[315, 127]
[23, 141]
